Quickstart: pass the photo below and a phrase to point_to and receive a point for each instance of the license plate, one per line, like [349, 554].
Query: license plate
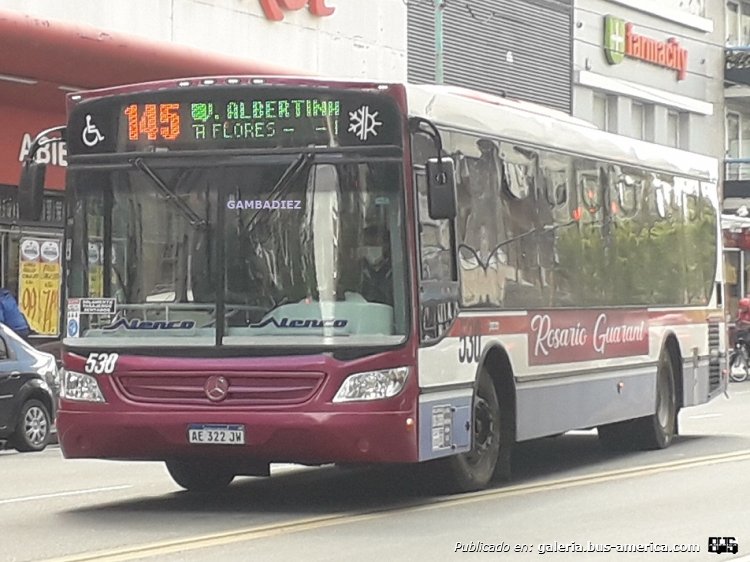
[216, 434]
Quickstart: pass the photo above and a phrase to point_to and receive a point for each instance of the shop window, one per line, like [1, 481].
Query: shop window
[738, 143]
[738, 23]
[744, 23]
[638, 120]
[733, 135]
[673, 129]
[733, 24]
[599, 111]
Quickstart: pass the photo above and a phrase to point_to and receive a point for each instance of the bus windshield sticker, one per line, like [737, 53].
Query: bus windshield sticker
[98, 306]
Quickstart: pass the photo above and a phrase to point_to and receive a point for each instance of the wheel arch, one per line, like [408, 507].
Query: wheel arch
[496, 361]
[36, 393]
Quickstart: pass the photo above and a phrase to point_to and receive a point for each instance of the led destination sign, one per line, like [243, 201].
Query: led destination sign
[234, 120]
[223, 117]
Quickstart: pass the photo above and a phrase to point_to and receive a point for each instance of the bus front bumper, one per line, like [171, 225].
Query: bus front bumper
[306, 438]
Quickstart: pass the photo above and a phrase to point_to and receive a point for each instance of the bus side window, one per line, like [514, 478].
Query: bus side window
[439, 288]
[554, 200]
[434, 240]
[521, 198]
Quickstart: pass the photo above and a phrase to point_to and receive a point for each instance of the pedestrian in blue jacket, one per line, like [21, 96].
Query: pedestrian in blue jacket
[11, 315]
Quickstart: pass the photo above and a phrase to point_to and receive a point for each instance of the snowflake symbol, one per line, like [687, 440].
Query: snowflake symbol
[363, 123]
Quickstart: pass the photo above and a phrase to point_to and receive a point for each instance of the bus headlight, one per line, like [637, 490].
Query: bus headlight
[372, 385]
[77, 386]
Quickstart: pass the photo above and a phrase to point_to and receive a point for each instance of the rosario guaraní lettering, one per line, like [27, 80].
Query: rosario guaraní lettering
[619, 333]
[287, 323]
[261, 204]
[548, 338]
[136, 324]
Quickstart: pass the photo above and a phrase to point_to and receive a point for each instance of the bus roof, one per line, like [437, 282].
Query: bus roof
[497, 117]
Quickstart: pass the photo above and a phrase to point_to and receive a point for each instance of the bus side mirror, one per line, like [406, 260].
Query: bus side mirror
[31, 190]
[441, 188]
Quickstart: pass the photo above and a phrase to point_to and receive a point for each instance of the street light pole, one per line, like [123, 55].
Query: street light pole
[439, 70]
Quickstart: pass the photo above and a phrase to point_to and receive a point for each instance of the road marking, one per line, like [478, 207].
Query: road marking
[63, 494]
[701, 416]
[224, 538]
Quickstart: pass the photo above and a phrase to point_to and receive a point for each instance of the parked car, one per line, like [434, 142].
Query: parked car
[29, 390]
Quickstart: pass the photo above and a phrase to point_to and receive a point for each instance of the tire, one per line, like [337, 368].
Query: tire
[738, 367]
[490, 454]
[658, 430]
[199, 476]
[34, 427]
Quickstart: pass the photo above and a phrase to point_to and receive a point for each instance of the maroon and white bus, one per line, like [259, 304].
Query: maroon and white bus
[275, 269]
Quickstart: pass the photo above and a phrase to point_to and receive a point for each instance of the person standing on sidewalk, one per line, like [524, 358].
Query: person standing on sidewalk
[11, 315]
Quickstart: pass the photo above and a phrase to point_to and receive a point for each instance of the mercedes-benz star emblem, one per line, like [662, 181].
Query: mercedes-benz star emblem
[217, 388]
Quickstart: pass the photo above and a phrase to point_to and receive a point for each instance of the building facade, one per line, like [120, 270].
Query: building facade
[736, 202]
[52, 48]
[519, 48]
[652, 70]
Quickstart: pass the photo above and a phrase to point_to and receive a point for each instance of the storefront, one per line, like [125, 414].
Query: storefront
[519, 48]
[652, 70]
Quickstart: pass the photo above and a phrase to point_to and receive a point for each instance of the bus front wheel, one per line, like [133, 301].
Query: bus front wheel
[199, 476]
[475, 469]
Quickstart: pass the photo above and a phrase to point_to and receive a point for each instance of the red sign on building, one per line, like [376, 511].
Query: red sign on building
[274, 9]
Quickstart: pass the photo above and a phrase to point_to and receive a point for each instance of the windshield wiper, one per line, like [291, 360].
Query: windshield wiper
[285, 182]
[188, 213]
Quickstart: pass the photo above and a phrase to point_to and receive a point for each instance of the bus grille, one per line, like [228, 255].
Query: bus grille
[245, 389]
[714, 364]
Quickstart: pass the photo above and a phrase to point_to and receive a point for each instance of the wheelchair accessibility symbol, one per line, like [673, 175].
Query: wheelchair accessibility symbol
[91, 135]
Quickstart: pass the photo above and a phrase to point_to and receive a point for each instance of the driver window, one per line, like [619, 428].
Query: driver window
[434, 235]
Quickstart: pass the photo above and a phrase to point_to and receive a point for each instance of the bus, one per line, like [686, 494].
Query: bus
[294, 270]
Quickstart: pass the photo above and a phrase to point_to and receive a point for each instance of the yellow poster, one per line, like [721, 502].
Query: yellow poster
[39, 284]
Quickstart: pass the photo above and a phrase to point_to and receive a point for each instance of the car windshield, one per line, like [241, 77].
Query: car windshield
[306, 252]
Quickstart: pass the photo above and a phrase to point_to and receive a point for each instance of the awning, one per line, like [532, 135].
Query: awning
[41, 60]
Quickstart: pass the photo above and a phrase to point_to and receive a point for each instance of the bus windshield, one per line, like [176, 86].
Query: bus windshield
[303, 250]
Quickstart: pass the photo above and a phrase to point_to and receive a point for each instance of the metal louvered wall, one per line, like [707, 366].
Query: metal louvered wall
[479, 34]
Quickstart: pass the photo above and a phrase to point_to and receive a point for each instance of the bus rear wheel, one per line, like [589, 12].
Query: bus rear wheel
[475, 469]
[199, 476]
[658, 430]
